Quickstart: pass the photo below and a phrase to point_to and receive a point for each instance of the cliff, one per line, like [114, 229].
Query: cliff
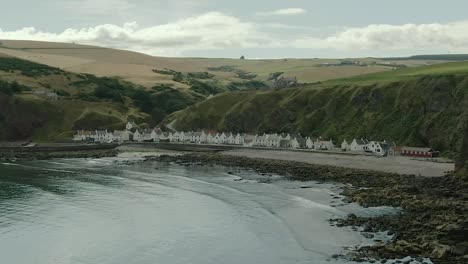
[426, 111]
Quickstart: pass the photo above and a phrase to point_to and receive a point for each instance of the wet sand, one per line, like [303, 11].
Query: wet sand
[397, 164]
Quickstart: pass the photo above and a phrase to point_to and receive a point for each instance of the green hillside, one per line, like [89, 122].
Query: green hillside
[27, 111]
[421, 111]
[453, 68]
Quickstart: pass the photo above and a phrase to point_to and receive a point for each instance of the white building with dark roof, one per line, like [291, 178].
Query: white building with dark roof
[359, 145]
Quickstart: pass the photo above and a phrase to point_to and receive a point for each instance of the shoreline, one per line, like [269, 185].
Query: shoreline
[433, 224]
[80, 154]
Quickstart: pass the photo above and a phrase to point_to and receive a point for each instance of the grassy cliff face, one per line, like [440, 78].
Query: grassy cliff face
[425, 111]
[86, 102]
[27, 117]
[462, 161]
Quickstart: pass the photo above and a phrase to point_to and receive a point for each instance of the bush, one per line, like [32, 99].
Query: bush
[27, 68]
[13, 87]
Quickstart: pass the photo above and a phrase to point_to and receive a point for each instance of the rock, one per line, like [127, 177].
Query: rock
[440, 251]
[460, 249]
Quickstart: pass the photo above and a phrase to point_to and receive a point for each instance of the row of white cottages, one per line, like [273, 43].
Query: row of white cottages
[248, 140]
[295, 141]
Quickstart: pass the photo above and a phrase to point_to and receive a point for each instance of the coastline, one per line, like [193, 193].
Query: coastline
[433, 223]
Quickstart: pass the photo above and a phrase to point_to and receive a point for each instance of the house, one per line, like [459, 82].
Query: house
[120, 135]
[143, 135]
[419, 152]
[250, 140]
[155, 135]
[182, 136]
[321, 144]
[285, 143]
[175, 137]
[231, 140]
[203, 138]
[210, 138]
[359, 145]
[240, 139]
[222, 138]
[130, 125]
[195, 137]
[310, 142]
[273, 140]
[82, 135]
[298, 142]
[102, 136]
[260, 141]
[345, 146]
[165, 137]
[377, 147]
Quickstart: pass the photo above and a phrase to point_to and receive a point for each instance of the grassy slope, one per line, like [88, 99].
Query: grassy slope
[137, 67]
[455, 68]
[407, 106]
[30, 117]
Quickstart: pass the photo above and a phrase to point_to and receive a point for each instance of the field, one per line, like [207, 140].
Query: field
[453, 68]
[138, 67]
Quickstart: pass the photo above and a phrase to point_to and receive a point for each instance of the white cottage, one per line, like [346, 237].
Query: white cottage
[102, 136]
[121, 135]
[321, 144]
[309, 143]
[250, 140]
[82, 135]
[231, 139]
[260, 141]
[142, 135]
[240, 139]
[210, 138]
[203, 137]
[222, 138]
[298, 142]
[345, 146]
[377, 147]
[359, 145]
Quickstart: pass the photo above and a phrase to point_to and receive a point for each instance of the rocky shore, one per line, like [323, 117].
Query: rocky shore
[12, 156]
[433, 223]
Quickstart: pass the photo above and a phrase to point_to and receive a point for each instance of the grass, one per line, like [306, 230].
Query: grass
[454, 68]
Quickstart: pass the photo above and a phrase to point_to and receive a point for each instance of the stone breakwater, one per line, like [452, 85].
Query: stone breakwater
[9, 156]
[433, 223]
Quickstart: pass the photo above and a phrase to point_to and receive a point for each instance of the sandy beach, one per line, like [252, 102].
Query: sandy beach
[397, 164]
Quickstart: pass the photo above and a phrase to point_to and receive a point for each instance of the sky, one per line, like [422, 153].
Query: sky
[253, 28]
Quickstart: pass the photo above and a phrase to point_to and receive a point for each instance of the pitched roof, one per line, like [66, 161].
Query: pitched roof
[361, 141]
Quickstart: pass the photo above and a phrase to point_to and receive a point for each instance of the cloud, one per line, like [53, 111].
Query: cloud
[208, 31]
[218, 31]
[450, 36]
[283, 12]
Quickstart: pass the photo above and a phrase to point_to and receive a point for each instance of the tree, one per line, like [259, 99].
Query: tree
[242, 57]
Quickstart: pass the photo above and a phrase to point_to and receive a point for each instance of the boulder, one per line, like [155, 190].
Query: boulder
[440, 251]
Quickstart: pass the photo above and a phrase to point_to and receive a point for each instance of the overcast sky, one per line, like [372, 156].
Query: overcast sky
[254, 28]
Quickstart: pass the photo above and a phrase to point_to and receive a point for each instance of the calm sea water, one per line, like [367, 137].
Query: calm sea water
[103, 211]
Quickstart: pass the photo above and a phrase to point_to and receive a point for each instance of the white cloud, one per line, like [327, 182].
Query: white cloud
[283, 12]
[450, 36]
[208, 31]
[218, 31]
